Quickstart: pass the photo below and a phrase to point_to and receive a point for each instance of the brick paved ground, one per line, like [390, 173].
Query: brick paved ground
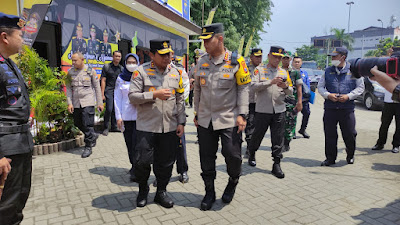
[69, 190]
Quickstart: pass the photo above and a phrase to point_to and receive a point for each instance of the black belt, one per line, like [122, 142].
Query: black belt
[14, 128]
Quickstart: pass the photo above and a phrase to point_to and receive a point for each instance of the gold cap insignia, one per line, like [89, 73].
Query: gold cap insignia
[165, 45]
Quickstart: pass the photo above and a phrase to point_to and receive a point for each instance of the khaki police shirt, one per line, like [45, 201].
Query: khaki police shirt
[252, 94]
[270, 97]
[156, 115]
[84, 88]
[221, 91]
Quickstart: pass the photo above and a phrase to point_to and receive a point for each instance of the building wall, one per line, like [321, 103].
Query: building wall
[365, 40]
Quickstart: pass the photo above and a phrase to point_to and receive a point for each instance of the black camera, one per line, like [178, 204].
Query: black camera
[390, 65]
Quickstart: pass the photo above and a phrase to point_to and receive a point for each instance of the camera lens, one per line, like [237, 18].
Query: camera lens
[361, 67]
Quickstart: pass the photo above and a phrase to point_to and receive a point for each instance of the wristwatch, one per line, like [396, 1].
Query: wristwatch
[245, 116]
[396, 94]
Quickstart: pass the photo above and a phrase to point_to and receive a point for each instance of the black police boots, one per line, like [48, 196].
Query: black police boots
[163, 199]
[276, 168]
[304, 133]
[252, 158]
[141, 200]
[209, 198]
[230, 190]
[86, 152]
[286, 146]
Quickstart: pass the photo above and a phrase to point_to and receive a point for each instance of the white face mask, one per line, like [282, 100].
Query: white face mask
[131, 67]
[335, 62]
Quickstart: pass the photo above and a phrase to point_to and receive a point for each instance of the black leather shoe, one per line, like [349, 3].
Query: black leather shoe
[132, 178]
[141, 200]
[327, 163]
[277, 171]
[86, 152]
[163, 199]
[115, 130]
[252, 159]
[184, 178]
[230, 189]
[350, 160]
[304, 133]
[105, 132]
[377, 147]
[209, 198]
[96, 136]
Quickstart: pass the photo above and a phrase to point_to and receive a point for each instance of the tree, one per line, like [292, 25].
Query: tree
[383, 46]
[239, 18]
[307, 52]
[346, 39]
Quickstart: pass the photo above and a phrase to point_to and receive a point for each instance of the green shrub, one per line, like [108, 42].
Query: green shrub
[48, 99]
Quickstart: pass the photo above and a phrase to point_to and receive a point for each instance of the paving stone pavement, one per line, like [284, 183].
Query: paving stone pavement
[67, 189]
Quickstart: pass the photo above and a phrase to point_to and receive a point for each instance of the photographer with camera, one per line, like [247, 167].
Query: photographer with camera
[339, 90]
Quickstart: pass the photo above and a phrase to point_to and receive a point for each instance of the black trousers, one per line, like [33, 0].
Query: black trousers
[130, 141]
[262, 122]
[181, 156]
[347, 122]
[16, 189]
[84, 120]
[159, 149]
[306, 115]
[250, 126]
[191, 93]
[110, 111]
[231, 150]
[390, 110]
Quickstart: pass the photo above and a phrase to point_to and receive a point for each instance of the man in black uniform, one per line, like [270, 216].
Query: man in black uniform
[109, 75]
[93, 43]
[15, 138]
[78, 43]
[105, 46]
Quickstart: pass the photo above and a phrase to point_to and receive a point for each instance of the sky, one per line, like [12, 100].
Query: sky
[294, 22]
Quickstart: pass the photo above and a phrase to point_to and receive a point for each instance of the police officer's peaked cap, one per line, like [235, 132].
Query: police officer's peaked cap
[79, 26]
[105, 32]
[11, 21]
[277, 50]
[339, 50]
[210, 30]
[93, 28]
[256, 51]
[161, 46]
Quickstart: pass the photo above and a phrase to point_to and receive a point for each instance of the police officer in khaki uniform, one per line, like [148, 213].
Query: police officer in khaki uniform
[15, 138]
[82, 91]
[271, 85]
[221, 101]
[255, 60]
[156, 88]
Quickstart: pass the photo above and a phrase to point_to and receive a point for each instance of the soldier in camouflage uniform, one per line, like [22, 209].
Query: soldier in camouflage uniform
[293, 102]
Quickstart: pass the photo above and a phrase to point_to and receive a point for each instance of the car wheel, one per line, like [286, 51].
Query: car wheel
[368, 102]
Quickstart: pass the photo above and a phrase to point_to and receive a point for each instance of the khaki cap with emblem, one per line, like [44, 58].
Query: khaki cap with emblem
[277, 50]
[210, 30]
[256, 51]
[161, 46]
